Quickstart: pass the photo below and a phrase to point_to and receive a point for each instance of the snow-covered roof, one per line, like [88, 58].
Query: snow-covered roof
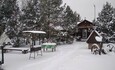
[85, 22]
[4, 38]
[39, 32]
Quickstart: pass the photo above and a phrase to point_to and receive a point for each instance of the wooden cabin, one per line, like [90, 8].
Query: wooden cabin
[84, 29]
[92, 39]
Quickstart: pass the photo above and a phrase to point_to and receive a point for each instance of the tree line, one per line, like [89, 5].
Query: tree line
[36, 15]
[45, 15]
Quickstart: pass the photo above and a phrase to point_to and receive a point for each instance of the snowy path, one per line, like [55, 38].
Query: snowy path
[51, 63]
[67, 57]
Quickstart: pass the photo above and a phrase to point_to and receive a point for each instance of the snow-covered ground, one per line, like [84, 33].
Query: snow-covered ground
[74, 56]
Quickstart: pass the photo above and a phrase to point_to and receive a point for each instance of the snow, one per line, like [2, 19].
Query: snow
[74, 56]
[98, 38]
[58, 28]
[49, 43]
[42, 32]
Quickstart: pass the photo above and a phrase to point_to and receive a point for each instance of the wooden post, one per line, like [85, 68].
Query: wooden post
[100, 50]
[2, 60]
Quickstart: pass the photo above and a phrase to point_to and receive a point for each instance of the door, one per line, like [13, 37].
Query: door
[84, 33]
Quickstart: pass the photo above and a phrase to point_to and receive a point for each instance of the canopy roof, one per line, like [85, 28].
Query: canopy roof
[39, 32]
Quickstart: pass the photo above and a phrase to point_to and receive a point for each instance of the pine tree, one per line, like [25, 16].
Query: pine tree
[69, 22]
[105, 17]
[112, 26]
[50, 11]
[1, 17]
[10, 19]
[31, 15]
[9, 11]
[70, 19]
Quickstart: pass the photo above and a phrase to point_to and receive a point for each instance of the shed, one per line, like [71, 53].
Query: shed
[84, 29]
[92, 39]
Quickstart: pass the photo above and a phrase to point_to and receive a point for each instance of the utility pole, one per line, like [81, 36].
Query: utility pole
[94, 12]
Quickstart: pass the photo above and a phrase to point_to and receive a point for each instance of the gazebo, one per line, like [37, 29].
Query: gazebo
[35, 32]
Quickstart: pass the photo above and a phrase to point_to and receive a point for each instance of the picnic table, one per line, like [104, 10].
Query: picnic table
[49, 46]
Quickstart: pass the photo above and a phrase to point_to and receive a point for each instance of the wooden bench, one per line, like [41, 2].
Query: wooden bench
[24, 50]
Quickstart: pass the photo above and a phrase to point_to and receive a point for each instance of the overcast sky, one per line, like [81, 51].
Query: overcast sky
[86, 7]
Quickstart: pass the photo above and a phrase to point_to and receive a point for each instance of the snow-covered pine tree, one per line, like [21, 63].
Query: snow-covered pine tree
[2, 26]
[6, 11]
[10, 18]
[70, 19]
[113, 22]
[31, 15]
[1, 4]
[50, 11]
[105, 17]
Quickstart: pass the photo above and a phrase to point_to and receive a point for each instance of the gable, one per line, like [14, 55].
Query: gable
[85, 23]
[91, 38]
